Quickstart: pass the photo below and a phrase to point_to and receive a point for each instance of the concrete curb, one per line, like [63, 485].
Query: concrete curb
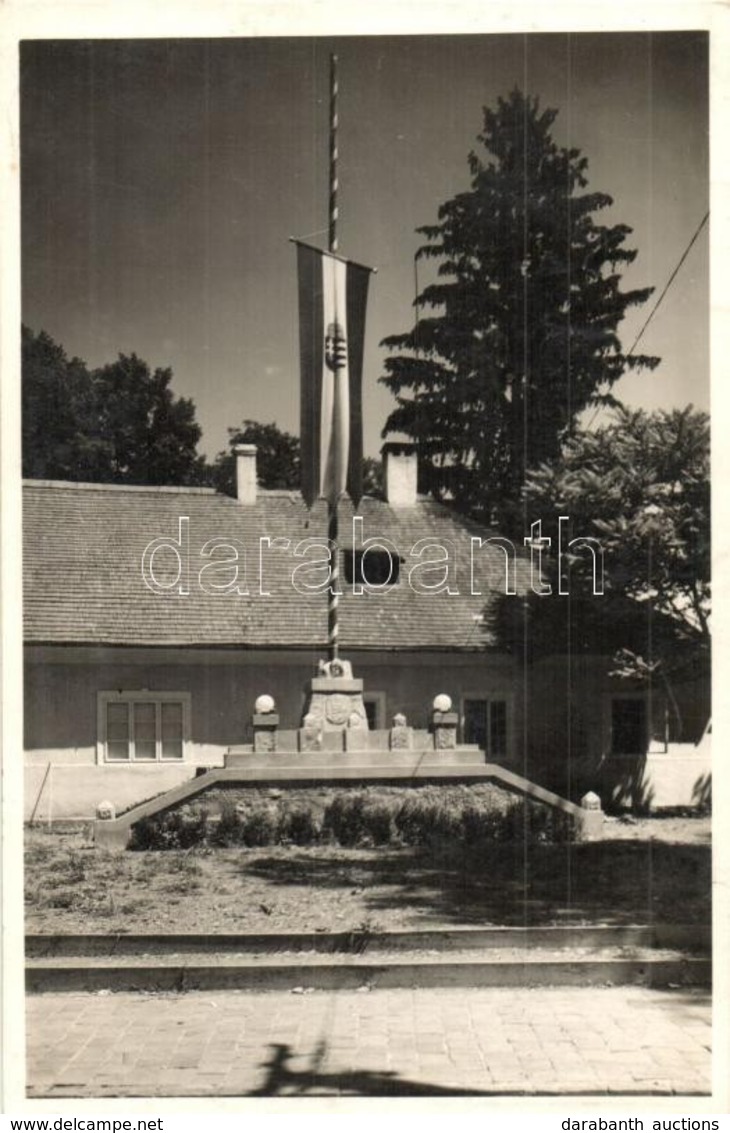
[363, 973]
[693, 937]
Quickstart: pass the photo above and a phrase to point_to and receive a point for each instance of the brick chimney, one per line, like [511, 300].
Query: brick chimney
[400, 460]
[245, 473]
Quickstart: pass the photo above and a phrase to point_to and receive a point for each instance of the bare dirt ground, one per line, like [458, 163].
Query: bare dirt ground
[645, 870]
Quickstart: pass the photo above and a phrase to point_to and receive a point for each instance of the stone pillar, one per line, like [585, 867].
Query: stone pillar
[591, 821]
[444, 730]
[265, 725]
[265, 722]
[444, 723]
[401, 736]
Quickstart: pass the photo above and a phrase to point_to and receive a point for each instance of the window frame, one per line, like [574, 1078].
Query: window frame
[144, 696]
[490, 699]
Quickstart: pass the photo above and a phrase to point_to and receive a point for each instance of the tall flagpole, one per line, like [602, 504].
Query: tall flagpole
[333, 155]
[333, 628]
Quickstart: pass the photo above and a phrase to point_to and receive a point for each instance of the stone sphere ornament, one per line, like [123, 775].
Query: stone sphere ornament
[442, 703]
[264, 704]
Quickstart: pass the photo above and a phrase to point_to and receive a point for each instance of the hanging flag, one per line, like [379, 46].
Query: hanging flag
[332, 299]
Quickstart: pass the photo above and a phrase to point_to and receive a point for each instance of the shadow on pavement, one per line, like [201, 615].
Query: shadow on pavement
[281, 1079]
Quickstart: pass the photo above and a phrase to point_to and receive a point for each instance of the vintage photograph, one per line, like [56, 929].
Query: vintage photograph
[366, 566]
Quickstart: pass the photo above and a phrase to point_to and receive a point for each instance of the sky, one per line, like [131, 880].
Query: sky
[162, 179]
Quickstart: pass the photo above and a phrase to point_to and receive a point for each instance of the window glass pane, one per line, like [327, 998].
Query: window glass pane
[475, 723]
[172, 729]
[117, 749]
[172, 720]
[145, 730]
[117, 731]
[117, 713]
[628, 727]
[144, 717]
[498, 728]
[117, 722]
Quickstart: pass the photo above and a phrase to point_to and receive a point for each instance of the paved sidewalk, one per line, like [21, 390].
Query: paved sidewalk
[400, 1042]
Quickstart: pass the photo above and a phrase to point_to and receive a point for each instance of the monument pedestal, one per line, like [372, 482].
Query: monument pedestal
[334, 700]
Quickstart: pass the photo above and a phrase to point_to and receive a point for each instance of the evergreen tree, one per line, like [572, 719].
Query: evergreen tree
[520, 331]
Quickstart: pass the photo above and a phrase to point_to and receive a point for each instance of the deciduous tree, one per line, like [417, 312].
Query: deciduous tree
[277, 457]
[121, 423]
[640, 485]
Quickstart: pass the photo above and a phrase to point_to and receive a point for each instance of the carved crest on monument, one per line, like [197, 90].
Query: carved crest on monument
[337, 708]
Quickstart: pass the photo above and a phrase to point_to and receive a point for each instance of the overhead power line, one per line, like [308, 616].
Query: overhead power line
[668, 284]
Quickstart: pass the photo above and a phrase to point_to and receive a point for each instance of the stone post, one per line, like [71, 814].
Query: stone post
[591, 818]
[401, 736]
[265, 722]
[444, 723]
[265, 726]
[357, 736]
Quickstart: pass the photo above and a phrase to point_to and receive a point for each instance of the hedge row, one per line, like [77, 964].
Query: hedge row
[419, 817]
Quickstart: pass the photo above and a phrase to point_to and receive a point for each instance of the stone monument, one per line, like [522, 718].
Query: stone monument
[334, 699]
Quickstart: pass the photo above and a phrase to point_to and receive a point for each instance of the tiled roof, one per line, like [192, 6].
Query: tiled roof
[84, 544]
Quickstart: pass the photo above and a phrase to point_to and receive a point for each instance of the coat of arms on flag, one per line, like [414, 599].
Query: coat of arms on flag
[332, 300]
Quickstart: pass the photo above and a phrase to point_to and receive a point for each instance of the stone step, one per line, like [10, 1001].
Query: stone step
[458, 757]
[688, 937]
[303, 971]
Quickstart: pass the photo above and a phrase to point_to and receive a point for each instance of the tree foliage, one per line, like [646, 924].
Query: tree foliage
[519, 334]
[277, 457]
[57, 417]
[277, 461]
[120, 423]
[641, 486]
[373, 478]
[150, 435]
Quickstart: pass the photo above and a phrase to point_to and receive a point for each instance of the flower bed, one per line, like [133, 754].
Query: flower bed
[422, 816]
